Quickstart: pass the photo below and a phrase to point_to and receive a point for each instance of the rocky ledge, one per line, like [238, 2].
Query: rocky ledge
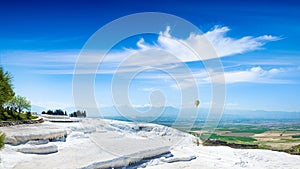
[13, 123]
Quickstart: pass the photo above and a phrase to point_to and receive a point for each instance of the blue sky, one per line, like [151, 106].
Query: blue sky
[258, 43]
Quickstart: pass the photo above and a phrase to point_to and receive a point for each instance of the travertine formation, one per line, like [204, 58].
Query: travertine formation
[97, 143]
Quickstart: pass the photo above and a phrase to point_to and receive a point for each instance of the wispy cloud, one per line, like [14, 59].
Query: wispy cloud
[160, 57]
[255, 75]
[50, 59]
[217, 37]
[148, 89]
[223, 45]
[227, 46]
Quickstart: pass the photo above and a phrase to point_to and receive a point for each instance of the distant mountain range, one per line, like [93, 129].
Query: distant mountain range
[171, 113]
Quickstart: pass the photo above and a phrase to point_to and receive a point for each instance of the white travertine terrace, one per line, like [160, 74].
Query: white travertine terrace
[96, 143]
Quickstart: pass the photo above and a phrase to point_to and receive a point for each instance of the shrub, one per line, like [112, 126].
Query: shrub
[294, 150]
[2, 137]
[28, 115]
[296, 136]
[7, 116]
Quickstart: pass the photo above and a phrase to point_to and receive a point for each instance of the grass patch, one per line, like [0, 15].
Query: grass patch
[231, 139]
[294, 150]
[240, 140]
[287, 140]
[250, 130]
[296, 136]
[13, 116]
[2, 137]
[292, 130]
[196, 128]
[279, 141]
[267, 147]
[33, 117]
[243, 129]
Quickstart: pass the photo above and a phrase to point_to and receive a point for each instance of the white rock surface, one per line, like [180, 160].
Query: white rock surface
[16, 135]
[37, 149]
[178, 159]
[96, 143]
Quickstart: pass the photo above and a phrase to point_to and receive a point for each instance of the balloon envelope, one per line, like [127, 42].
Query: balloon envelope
[197, 102]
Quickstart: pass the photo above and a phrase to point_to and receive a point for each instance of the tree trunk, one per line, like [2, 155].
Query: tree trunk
[19, 112]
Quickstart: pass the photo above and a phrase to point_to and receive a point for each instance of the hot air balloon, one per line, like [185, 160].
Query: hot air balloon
[197, 102]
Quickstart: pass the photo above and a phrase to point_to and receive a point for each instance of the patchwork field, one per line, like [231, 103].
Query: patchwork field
[279, 137]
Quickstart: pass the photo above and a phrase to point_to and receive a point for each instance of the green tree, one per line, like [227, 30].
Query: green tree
[19, 103]
[6, 89]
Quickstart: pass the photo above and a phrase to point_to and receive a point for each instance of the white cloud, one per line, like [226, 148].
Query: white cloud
[141, 106]
[226, 46]
[63, 62]
[148, 89]
[222, 44]
[231, 105]
[169, 52]
[254, 75]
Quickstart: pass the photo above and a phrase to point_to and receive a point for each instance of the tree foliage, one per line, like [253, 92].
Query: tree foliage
[19, 103]
[11, 106]
[6, 89]
[56, 112]
[78, 113]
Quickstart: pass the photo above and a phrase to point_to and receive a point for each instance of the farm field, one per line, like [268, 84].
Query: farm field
[273, 136]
